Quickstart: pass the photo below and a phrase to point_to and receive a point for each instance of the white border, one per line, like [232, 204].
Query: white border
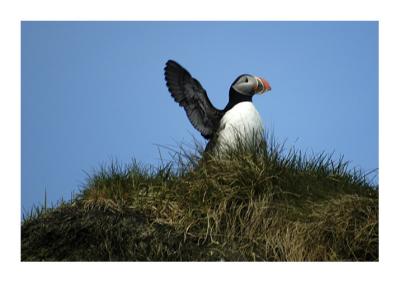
[15, 11]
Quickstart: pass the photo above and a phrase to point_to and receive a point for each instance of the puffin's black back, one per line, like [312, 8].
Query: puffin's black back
[235, 98]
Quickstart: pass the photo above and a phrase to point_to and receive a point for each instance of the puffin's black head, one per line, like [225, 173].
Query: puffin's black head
[249, 85]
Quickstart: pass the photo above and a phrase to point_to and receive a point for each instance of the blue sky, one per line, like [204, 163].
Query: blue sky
[95, 91]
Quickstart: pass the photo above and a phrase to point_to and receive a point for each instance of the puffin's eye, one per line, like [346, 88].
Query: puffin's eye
[246, 80]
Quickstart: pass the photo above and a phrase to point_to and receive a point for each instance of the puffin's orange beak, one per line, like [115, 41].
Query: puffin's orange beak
[263, 85]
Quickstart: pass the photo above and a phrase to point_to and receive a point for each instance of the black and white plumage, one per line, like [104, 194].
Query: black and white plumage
[218, 126]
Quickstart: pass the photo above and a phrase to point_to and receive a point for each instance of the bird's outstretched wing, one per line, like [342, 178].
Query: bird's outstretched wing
[189, 93]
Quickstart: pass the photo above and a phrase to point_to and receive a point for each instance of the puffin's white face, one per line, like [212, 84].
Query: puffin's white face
[250, 85]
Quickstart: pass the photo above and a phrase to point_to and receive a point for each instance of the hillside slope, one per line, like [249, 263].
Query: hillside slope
[255, 204]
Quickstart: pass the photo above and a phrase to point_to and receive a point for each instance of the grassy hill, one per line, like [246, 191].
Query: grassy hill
[261, 203]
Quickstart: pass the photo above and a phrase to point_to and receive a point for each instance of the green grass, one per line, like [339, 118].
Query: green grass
[255, 203]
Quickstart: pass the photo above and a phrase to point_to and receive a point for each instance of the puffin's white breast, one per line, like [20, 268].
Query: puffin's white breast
[242, 121]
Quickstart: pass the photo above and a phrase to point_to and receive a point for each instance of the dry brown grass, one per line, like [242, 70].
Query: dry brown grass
[257, 204]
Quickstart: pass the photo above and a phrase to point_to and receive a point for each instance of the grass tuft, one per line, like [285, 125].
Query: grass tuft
[257, 202]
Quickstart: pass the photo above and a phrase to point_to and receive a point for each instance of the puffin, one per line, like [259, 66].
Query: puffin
[223, 128]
